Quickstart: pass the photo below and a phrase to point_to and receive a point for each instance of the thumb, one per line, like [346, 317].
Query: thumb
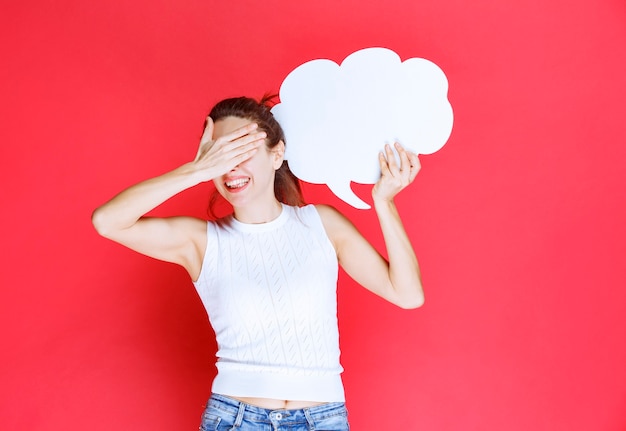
[207, 135]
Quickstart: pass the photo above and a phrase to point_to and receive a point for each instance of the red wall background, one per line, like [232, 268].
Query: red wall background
[519, 222]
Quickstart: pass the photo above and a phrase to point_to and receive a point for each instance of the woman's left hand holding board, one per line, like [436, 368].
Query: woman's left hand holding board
[394, 178]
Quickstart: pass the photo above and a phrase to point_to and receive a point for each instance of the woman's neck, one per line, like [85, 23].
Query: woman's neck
[256, 214]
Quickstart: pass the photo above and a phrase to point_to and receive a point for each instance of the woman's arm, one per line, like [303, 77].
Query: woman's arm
[180, 240]
[398, 280]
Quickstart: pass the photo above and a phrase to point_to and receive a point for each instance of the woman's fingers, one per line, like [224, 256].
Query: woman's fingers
[246, 136]
[394, 175]
[415, 166]
[410, 164]
[245, 131]
[205, 139]
[254, 139]
[405, 164]
[241, 140]
[391, 159]
[216, 157]
[232, 149]
[243, 148]
[394, 179]
[384, 166]
[207, 135]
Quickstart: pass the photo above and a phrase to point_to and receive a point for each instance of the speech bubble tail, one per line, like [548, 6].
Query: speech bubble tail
[345, 193]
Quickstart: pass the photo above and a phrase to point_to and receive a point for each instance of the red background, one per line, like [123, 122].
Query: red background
[518, 222]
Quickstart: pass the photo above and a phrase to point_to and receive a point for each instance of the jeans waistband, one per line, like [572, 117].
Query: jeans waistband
[240, 411]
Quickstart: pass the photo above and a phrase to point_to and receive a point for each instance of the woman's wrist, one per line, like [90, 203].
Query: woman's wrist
[192, 174]
[383, 202]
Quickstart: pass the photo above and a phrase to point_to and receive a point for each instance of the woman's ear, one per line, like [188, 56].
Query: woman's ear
[279, 154]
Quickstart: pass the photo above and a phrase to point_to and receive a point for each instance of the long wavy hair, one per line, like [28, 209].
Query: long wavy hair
[286, 185]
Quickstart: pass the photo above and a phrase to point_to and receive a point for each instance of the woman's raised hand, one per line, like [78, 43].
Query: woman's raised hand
[394, 178]
[220, 156]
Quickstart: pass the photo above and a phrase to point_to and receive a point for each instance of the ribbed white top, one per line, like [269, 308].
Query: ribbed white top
[270, 292]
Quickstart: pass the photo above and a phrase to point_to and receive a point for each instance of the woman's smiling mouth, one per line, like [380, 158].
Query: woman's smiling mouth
[236, 183]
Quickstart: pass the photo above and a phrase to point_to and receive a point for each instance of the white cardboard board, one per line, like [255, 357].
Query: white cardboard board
[337, 118]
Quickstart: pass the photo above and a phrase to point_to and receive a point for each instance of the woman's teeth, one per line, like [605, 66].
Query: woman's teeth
[235, 184]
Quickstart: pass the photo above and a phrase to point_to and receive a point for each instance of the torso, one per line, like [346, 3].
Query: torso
[212, 297]
[268, 403]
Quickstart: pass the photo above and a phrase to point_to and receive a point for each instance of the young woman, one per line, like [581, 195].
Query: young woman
[267, 273]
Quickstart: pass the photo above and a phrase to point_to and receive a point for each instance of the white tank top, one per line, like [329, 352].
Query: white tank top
[270, 292]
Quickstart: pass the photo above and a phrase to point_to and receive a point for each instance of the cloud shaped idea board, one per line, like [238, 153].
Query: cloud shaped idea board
[337, 118]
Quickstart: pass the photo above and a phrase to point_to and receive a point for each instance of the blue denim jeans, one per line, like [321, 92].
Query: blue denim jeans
[224, 413]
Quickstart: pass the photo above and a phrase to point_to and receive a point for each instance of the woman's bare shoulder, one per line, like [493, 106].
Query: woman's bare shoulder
[330, 214]
[327, 211]
[338, 227]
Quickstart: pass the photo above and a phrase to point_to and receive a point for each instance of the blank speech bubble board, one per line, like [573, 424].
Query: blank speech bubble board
[337, 118]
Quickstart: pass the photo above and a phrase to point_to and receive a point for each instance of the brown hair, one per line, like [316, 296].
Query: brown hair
[286, 186]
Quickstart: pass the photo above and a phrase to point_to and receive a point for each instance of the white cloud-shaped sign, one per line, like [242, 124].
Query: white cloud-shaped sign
[337, 118]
